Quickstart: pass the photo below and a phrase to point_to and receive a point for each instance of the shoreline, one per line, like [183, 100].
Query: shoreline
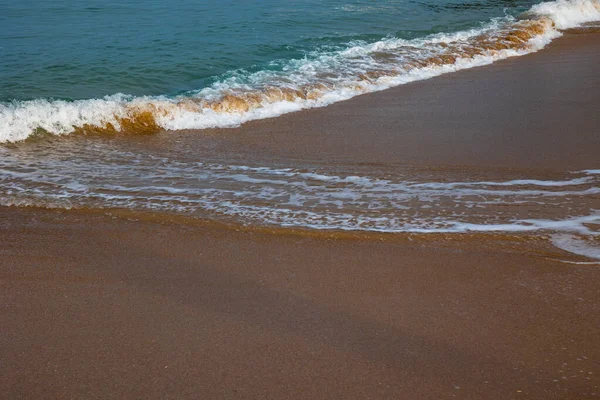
[97, 306]
[534, 244]
[503, 115]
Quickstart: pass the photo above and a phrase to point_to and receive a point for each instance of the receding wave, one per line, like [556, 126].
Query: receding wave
[343, 199]
[105, 175]
[320, 79]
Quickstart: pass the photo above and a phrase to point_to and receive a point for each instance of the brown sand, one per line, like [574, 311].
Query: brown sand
[99, 307]
[94, 307]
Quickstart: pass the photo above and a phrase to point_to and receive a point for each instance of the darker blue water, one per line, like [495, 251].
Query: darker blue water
[82, 49]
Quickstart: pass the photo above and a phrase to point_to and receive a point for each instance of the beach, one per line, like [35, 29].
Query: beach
[99, 304]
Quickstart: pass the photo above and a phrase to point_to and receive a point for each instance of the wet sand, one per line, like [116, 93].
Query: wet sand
[538, 111]
[94, 306]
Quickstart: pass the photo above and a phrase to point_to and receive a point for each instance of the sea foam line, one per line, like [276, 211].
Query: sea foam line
[321, 79]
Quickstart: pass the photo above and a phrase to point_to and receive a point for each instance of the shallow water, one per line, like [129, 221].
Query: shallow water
[159, 177]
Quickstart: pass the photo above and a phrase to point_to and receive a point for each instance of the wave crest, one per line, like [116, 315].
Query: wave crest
[320, 79]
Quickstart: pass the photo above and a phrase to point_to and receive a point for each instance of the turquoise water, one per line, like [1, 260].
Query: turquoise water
[84, 49]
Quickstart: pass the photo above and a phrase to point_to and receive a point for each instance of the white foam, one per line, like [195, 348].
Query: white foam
[19, 120]
[577, 245]
[516, 182]
[301, 198]
[569, 13]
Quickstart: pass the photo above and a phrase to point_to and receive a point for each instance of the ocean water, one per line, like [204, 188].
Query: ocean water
[72, 68]
[123, 67]
[84, 49]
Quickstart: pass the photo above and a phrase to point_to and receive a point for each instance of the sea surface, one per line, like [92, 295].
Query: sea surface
[73, 69]
[76, 49]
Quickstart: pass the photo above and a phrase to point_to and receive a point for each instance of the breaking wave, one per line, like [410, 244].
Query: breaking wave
[320, 79]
